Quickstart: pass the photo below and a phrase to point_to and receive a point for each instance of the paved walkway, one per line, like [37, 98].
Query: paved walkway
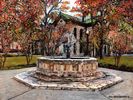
[13, 90]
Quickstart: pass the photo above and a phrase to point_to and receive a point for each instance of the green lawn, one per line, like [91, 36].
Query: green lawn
[126, 63]
[108, 62]
[19, 62]
[125, 60]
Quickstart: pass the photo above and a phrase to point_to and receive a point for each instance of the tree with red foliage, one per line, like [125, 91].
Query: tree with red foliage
[5, 41]
[121, 43]
[95, 9]
[107, 14]
[28, 13]
[7, 12]
[87, 8]
[19, 20]
[52, 9]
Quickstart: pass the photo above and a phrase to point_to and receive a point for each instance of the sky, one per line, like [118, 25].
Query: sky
[72, 4]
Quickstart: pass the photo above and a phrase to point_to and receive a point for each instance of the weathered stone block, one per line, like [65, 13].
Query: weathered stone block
[68, 67]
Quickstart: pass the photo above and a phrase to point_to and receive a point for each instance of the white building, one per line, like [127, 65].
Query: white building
[80, 30]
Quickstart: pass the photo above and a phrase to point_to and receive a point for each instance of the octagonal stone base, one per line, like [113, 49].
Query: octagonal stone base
[98, 83]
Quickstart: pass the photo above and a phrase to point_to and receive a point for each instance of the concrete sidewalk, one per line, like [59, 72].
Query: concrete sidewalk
[13, 90]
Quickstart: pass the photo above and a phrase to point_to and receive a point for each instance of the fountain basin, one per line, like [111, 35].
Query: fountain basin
[72, 67]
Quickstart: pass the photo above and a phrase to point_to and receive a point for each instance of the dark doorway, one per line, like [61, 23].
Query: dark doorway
[81, 41]
[75, 32]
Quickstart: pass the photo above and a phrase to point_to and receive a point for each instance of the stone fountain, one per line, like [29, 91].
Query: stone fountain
[68, 72]
[62, 69]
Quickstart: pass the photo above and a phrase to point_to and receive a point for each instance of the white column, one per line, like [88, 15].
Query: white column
[72, 51]
[78, 42]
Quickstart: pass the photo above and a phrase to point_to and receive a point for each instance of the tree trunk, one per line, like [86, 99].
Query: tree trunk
[117, 59]
[28, 56]
[101, 49]
[2, 60]
[28, 59]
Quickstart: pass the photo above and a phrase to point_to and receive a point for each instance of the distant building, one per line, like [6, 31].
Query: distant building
[81, 30]
[13, 47]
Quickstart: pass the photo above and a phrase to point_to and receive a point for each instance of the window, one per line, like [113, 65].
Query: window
[81, 33]
[75, 35]
[81, 41]
[75, 32]
[74, 48]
